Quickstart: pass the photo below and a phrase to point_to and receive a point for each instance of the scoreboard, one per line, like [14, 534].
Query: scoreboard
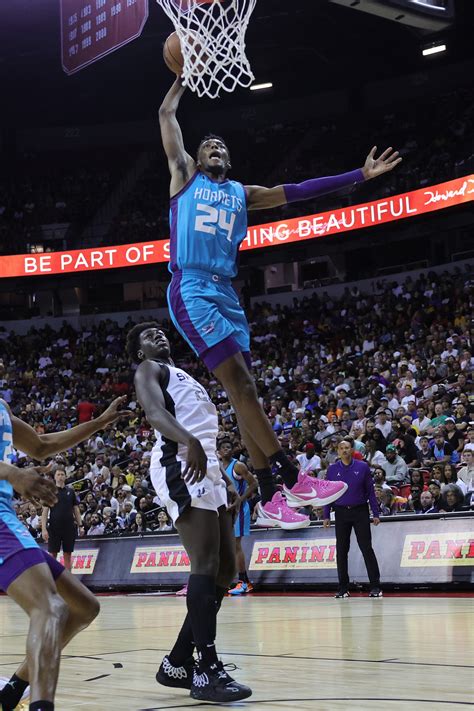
[90, 29]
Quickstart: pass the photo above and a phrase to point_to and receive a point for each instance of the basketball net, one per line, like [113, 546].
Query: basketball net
[212, 36]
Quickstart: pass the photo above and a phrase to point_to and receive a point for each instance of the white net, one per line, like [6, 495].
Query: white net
[212, 36]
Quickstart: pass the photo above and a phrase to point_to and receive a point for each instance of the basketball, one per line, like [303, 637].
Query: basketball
[172, 54]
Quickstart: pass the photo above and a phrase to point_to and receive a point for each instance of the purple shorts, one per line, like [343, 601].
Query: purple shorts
[16, 564]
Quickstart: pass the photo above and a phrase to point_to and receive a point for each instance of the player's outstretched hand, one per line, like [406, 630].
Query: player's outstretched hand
[374, 167]
[196, 463]
[113, 413]
[31, 485]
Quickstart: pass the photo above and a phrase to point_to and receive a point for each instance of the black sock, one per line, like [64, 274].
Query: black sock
[184, 646]
[42, 706]
[286, 469]
[12, 692]
[202, 609]
[244, 577]
[266, 483]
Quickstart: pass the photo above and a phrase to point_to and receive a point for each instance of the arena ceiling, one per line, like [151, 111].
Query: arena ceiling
[302, 46]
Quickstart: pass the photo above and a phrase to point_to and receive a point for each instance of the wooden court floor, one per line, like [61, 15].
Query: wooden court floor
[295, 652]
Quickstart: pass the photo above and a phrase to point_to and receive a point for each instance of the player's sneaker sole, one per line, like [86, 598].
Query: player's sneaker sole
[175, 677]
[297, 502]
[286, 526]
[218, 687]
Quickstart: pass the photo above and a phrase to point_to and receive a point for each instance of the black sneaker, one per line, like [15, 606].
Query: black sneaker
[215, 684]
[177, 677]
[375, 592]
[342, 593]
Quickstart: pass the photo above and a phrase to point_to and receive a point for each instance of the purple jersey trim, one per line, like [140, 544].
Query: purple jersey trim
[182, 316]
[320, 186]
[215, 355]
[24, 560]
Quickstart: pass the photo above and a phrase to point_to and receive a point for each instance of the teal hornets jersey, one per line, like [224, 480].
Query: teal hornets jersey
[6, 448]
[239, 483]
[208, 221]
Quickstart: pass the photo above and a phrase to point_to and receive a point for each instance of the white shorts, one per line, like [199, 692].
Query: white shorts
[177, 495]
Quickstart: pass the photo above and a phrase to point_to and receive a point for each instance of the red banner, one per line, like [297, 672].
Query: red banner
[370, 214]
[90, 29]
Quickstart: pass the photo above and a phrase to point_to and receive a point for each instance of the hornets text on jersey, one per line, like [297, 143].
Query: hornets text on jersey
[208, 222]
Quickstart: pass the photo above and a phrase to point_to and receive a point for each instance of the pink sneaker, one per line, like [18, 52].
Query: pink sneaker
[313, 492]
[276, 514]
[183, 592]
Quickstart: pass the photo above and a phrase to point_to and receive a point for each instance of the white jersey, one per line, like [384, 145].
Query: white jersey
[190, 404]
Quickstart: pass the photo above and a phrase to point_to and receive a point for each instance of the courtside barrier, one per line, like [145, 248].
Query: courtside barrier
[411, 550]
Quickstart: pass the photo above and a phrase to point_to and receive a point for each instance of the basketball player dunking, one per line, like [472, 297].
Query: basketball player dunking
[208, 220]
[246, 487]
[186, 475]
[58, 605]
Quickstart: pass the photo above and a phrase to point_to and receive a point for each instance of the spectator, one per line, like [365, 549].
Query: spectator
[454, 436]
[396, 469]
[373, 456]
[139, 525]
[309, 460]
[434, 487]
[441, 450]
[452, 499]
[427, 503]
[379, 478]
[466, 473]
[449, 475]
[96, 527]
[383, 423]
[85, 410]
[163, 522]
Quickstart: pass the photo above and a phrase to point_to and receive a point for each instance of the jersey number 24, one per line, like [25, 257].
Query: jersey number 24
[212, 217]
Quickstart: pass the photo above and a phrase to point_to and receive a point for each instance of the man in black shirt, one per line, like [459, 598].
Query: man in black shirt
[64, 516]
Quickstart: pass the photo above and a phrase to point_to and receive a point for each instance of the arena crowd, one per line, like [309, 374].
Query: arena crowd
[393, 370]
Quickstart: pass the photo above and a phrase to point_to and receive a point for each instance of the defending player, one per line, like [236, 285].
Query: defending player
[208, 220]
[246, 487]
[58, 605]
[186, 475]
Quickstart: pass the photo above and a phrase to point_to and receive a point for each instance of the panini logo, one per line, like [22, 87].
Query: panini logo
[83, 562]
[297, 554]
[438, 549]
[160, 559]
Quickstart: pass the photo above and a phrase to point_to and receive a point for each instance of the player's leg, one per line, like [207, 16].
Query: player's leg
[364, 539]
[68, 541]
[83, 608]
[36, 593]
[343, 542]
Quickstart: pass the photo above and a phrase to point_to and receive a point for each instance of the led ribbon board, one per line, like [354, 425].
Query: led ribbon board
[299, 229]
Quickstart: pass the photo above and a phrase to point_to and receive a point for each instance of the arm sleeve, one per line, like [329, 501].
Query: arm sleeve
[321, 186]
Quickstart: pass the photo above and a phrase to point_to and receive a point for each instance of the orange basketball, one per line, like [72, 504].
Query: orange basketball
[172, 54]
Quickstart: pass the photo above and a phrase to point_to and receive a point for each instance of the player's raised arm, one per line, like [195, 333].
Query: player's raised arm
[151, 398]
[180, 163]
[260, 198]
[39, 447]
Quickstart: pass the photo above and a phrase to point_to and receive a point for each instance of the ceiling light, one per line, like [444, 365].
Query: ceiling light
[434, 49]
[265, 85]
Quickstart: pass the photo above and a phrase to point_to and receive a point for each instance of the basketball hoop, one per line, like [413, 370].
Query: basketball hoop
[212, 36]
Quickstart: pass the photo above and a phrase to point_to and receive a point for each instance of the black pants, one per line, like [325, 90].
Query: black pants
[357, 518]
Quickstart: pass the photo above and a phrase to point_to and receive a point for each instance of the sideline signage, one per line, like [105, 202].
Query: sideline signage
[378, 212]
[410, 550]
